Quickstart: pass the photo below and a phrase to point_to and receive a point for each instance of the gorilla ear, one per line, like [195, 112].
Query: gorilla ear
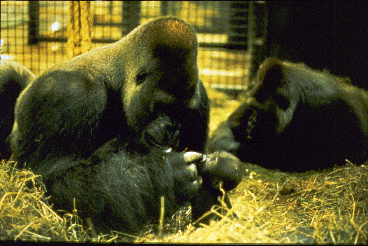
[269, 78]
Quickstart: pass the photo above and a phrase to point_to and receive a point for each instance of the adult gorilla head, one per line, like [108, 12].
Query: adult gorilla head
[165, 79]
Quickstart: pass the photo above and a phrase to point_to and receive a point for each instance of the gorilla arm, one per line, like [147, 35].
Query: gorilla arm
[65, 108]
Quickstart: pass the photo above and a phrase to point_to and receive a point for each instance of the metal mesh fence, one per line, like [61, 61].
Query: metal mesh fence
[33, 33]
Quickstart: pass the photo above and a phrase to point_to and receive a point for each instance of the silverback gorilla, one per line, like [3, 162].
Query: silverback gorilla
[13, 79]
[297, 119]
[111, 129]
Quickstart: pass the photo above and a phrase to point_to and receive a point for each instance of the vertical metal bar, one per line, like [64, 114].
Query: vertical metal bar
[110, 7]
[164, 8]
[34, 22]
[250, 41]
[131, 15]
[257, 32]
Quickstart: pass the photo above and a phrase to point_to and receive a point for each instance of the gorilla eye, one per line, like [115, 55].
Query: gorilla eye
[141, 77]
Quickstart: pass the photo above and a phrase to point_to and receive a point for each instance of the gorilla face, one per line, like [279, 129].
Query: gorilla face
[165, 81]
[275, 98]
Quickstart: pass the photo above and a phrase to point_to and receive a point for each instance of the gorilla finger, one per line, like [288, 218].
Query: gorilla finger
[186, 190]
[200, 180]
[192, 168]
[186, 175]
[193, 187]
[192, 156]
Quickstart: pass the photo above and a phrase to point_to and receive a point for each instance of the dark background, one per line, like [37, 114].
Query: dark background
[330, 35]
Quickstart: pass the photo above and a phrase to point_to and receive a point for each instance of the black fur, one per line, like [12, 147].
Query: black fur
[297, 119]
[13, 79]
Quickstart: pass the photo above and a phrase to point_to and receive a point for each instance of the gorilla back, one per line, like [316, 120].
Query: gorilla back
[98, 127]
[13, 79]
[297, 119]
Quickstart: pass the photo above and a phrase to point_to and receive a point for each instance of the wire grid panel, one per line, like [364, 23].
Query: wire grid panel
[220, 64]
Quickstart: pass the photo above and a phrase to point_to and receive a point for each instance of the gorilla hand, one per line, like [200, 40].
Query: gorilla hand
[186, 178]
